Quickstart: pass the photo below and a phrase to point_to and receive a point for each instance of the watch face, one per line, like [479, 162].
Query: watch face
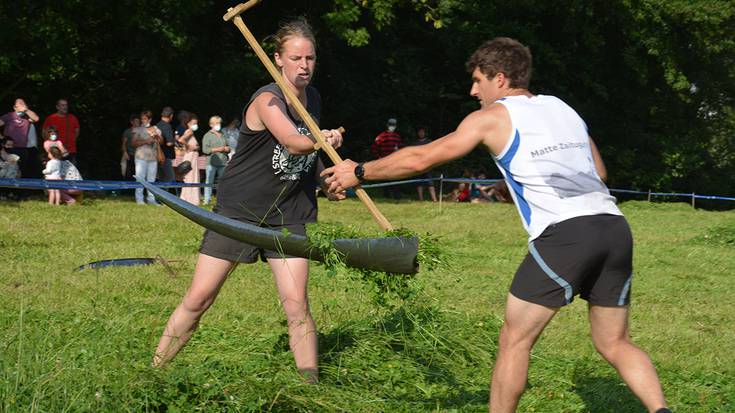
[359, 171]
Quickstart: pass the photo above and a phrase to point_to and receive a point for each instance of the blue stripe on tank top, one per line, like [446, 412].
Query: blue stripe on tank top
[626, 288]
[554, 276]
[515, 185]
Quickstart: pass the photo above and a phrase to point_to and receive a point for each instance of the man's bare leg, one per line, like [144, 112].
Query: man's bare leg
[524, 322]
[610, 334]
[292, 276]
[209, 275]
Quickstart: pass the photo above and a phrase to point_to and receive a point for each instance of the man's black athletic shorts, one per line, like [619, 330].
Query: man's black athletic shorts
[591, 256]
[219, 246]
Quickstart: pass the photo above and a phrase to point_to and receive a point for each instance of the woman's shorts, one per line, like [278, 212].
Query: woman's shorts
[219, 246]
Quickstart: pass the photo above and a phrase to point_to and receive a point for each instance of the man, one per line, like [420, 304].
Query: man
[385, 144]
[17, 125]
[128, 150]
[166, 170]
[67, 126]
[579, 242]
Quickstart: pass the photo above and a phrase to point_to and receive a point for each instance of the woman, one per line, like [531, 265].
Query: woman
[214, 145]
[145, 141]
[191, 193]
[269, 182]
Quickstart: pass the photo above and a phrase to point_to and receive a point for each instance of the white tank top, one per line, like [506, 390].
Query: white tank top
[548, 164]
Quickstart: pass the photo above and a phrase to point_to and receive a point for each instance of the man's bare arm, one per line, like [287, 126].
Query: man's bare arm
[599, 164]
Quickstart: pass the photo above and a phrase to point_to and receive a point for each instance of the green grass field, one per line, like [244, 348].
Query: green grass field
[82, 341]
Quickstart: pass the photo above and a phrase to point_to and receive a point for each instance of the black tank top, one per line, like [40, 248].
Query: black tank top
[263, 183]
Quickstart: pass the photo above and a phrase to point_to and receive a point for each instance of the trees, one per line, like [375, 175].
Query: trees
[654, 79]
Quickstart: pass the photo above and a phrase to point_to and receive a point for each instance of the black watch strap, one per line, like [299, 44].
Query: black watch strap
[360, 172]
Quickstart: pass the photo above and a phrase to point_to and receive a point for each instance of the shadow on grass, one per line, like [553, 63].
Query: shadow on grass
[604, 394]
[412, 356]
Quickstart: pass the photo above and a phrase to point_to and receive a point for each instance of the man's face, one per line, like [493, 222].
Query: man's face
[62, 107]
[487, 91]
[145, 120]
[19, 105]
[135, 122]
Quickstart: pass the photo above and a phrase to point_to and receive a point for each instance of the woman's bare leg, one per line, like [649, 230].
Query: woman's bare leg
[209, 275]
[292, 276]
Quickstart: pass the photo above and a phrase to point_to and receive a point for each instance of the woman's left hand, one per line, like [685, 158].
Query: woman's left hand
[333, 137]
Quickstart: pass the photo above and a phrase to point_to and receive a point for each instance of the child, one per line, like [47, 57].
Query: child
[190, 193]
[52, 139]
[53, 172]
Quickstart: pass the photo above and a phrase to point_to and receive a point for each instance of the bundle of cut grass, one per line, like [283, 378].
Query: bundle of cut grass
[385, 287]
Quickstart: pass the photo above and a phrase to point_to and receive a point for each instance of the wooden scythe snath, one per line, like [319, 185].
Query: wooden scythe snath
[233, 14]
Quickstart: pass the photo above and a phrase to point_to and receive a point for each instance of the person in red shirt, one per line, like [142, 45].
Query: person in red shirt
[385, 144]
[67, 126]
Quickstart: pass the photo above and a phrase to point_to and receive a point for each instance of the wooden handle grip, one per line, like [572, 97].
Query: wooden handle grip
[239, 9]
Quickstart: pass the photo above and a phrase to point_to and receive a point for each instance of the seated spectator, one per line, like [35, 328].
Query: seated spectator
[498, 192]
[9, 167]
[69, 172]
[53, 173]
[191, 194]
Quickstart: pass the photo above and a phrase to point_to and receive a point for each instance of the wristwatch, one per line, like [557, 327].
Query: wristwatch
[360, 171]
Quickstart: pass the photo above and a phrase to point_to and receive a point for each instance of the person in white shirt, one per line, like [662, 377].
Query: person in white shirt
[579, 242]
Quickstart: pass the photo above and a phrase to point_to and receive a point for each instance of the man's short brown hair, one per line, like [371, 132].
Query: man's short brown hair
[503, 55]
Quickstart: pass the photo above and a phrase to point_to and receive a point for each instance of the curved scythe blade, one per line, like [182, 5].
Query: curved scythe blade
[390, 254]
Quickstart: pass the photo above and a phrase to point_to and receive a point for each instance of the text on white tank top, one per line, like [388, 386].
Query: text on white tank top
[548, 164]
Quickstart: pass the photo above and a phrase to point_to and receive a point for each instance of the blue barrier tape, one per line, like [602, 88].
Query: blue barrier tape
[85, 185]
[674, 194]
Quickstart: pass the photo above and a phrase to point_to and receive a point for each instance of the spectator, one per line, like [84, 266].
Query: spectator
[9, 168]
[53, 173]
[145, 139]
[190, 193]
[69, 172]
[67, 126]
[183, 120]
[232, 133]
[216, 149]
[34, 156]
[498, 192]
[167, 145]
[385, 144]
[186, 130]
[128, 150]
[16, 126]
[422, 139]
[52, 141]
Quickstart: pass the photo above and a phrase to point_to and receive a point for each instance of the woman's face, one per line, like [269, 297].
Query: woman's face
[145, 120]
[297, 61]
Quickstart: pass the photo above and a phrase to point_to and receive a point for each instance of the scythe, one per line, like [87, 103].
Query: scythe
[388, 254]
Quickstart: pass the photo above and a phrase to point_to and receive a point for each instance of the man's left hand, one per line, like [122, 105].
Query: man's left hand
[340, 177]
